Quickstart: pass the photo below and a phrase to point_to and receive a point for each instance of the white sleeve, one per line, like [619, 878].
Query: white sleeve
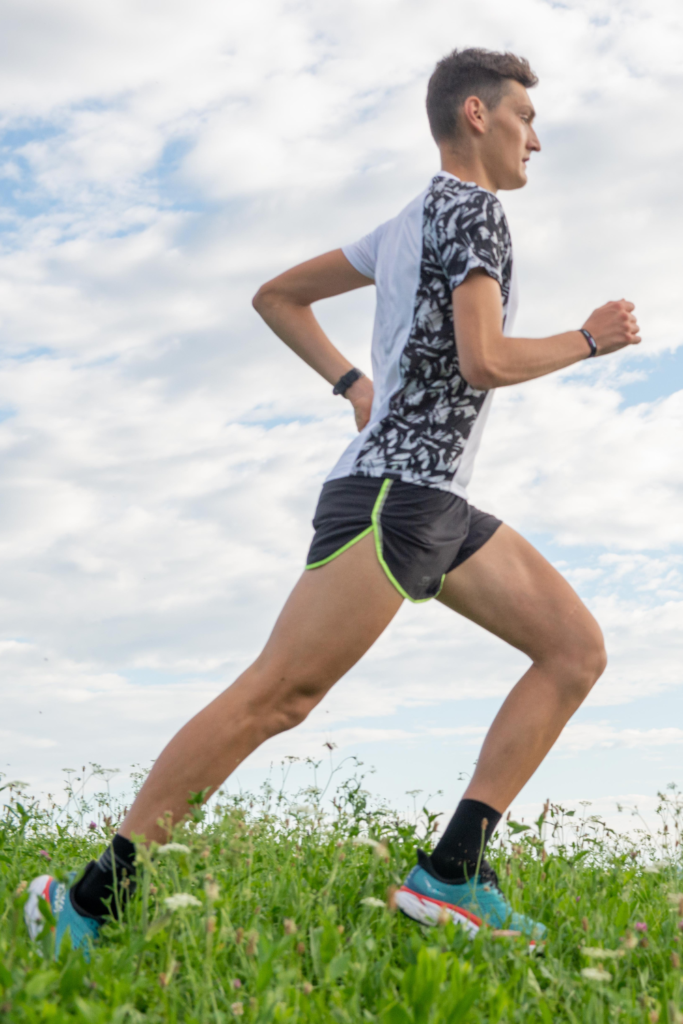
[363, 254]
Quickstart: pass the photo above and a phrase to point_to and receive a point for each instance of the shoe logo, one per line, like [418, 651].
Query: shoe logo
[60, 898]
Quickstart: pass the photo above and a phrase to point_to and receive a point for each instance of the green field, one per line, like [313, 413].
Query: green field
[288, 917]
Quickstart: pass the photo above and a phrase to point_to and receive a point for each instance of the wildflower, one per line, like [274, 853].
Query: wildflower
[675, 961]
[640, 926]
[444, 917]
[236, 983]
[391, 897]
[211, 889]
[629, 941]
[237, 1009]
[173, 848]
[92, 826]
[21, 887]
[675, 898]
[380, 849]
[505, 933]
[300, 948]
[602, 954]
[372, 901]
[45, 854]
[289, 926]
[596, 974]
[307, 988]
[239, 936]
[180, 900]
[153, 889]
[252, 943]
[211, 925]
[584, 923]
[306, 810]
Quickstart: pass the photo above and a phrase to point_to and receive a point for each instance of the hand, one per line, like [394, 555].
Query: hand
[360, 395]
[613, 326]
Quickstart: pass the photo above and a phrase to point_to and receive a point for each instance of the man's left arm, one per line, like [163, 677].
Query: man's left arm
[285, 305]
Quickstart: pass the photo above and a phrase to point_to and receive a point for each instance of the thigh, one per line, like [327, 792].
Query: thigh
[511, 590]
[331, 618]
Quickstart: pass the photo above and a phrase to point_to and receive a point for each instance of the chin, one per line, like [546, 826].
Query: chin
[514, 181]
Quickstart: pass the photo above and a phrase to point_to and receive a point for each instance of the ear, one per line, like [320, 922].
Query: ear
[474, 114]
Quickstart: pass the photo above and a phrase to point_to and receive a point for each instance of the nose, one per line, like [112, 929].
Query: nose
[533, 143]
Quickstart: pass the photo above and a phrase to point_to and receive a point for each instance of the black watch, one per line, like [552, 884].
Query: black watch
[345, 382]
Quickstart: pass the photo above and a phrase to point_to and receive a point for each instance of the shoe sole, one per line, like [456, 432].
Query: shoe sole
[426, 910]
[39, 887]
[429, 911]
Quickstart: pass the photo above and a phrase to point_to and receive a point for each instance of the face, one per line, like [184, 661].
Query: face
[509, 138]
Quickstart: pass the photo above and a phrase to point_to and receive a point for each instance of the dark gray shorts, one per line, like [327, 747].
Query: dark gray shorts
[421, 533]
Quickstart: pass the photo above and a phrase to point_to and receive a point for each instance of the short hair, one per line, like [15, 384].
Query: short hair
[471, 72]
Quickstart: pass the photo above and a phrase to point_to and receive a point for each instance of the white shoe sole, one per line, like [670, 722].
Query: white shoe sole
[35, 921]
[432, 912]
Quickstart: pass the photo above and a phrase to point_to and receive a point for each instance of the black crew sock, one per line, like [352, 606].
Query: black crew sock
[457, 853]
[94, 894]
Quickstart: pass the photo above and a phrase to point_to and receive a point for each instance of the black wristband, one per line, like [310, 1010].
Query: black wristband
[345, 382]
[591, 342]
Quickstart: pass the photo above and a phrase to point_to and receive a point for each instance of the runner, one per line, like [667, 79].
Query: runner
[393, 521]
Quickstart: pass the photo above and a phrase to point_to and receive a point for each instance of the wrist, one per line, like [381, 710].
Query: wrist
[591, 342]
[346, 381]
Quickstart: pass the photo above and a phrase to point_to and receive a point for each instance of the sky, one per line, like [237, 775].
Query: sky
[161, 452]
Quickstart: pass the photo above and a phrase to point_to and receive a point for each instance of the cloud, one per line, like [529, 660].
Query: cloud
[162, 452]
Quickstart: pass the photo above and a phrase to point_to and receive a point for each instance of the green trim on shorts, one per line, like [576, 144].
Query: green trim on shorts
[376, 527]
[324, 561]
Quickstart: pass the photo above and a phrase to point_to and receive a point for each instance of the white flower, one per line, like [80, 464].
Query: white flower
[379, 848]
[179, 900]
[657, 866]
[304, 809]
[372, 901]
[174, 848]
[596, 974]
[602, 954]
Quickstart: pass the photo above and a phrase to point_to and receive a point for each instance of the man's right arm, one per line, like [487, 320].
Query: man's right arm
[490, 359]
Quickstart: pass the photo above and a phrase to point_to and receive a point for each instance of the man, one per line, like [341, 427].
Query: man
[393, 521]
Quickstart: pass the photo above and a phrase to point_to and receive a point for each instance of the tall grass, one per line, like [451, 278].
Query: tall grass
[279, 908]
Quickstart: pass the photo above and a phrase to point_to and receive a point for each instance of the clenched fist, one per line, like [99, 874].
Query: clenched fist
[613, 326]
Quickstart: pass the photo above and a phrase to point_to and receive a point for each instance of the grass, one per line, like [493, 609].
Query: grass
[289, 919]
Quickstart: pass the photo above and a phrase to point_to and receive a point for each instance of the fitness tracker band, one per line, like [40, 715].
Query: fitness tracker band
[591, 342]
[345, 382]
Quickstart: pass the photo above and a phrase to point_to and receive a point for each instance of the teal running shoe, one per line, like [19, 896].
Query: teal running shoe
[82, 928]
[426, 898]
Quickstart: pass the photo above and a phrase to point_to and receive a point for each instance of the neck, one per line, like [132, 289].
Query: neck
[467, 167]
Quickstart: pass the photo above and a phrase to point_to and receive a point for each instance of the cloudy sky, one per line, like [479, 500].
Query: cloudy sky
[162, 452]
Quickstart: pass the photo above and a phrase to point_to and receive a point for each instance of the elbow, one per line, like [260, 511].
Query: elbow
[481, 376]
[262, 298]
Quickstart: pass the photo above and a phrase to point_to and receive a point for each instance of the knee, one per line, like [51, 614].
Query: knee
[279, 703]
[582, 663]
[288, 712]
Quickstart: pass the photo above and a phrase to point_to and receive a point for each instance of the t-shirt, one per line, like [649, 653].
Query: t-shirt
[426, 421]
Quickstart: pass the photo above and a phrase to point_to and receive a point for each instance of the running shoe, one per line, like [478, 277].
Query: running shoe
[426, 898]
[82, 928]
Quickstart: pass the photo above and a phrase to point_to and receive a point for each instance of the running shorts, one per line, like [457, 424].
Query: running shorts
[421, 533]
